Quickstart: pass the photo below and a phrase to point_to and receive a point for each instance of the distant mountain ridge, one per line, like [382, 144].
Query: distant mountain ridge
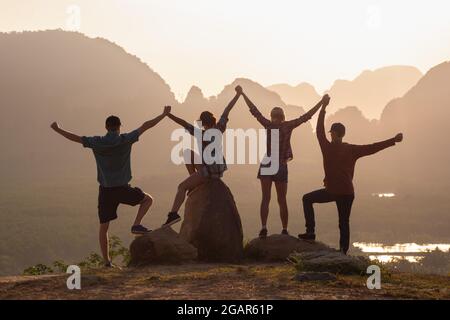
[76, 80]
[65, 76]
[370, 91]
[303, 94]
[49, 189]
[423, 114]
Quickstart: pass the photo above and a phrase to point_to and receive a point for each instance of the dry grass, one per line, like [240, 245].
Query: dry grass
[220, 281]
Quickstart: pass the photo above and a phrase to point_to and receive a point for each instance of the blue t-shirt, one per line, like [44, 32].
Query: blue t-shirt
[112, 154]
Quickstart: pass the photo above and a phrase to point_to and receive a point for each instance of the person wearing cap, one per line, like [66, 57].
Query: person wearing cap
[280, 176]
[200, 170]
[339, 159]
[112, 154]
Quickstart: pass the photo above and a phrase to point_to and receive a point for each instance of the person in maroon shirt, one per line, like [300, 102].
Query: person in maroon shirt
[280, 177]
[339, 159]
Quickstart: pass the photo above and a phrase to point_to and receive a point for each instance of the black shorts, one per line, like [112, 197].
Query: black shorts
[110, 198]
[280, 176]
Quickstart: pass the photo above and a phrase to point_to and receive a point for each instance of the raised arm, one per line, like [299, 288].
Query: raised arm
[232, 103]
[369, 149]
[66, 134]
[255, 112]
[153, 122]
[316, 108]
[189, 127]
[320, 129]
[222, 123]
[305, 117]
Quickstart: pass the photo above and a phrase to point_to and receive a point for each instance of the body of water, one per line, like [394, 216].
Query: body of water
[412, 252]
[384, 195]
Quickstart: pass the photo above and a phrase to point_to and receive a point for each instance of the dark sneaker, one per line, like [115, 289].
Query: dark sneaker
[172, 218]
[285, 232]
[263, 233]
[307, 236]
[140, 229]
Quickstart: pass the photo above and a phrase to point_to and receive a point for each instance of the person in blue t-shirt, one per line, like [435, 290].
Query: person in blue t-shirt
[112, 154]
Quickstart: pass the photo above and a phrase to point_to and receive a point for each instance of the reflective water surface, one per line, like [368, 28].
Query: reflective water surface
[409, 251]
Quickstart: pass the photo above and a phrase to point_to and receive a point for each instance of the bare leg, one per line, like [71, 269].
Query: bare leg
[266, 188]
[103, 239]
[190, 168]
[281, 188]
[189, 161]
[143, 209]
[190, 183]
[190, 158]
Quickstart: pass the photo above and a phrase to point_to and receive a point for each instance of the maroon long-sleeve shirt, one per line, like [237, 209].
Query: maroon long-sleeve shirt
[339, 159]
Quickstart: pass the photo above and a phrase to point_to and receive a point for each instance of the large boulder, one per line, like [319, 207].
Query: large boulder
[278, 247]
[334, 262]
[212, 223]
[162, 246]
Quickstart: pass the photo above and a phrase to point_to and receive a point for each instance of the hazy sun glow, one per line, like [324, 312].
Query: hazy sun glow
[209, 43]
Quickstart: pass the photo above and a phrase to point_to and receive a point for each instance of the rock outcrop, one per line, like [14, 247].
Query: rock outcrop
[279, 247]
[162, 246]
[334, 262]
[212, 223]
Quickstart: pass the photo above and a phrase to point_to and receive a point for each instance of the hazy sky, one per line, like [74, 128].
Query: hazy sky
[210, 42]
